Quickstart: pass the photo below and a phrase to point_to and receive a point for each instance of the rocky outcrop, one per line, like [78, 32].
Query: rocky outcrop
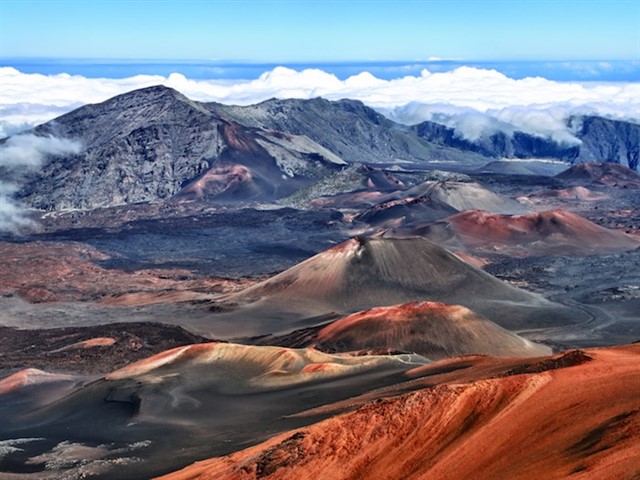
[601, 140]
[154, 143]
[612, 141]
[497, 145]
[348, 128]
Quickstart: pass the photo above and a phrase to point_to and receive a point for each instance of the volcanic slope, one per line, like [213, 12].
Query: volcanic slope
[363, 273]
[356, 186]
[209, 399]
[155, 143]
[431, 201]
[433, 330]
[68, 271]
[505, 427]
[556, 232]
[467, 195]
[346, 127]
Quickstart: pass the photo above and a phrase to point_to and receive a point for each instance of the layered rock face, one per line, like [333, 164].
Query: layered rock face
[599, 140]
[154, 144]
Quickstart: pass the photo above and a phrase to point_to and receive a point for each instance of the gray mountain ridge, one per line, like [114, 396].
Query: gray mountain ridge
[348, 128]
[156, 144]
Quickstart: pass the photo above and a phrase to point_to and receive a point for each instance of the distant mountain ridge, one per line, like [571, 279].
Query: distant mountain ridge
[348, 128]
[156, 144]
[601, 140]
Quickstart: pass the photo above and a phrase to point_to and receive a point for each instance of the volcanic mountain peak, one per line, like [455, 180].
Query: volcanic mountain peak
[552, 231]
[432, 329]
[240, 367]
[365, 272]
[348, 128]
[154, 143]
[97, 124]
[150, 95]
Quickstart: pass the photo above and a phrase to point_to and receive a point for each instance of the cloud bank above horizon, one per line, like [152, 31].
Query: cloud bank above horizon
[473, 100]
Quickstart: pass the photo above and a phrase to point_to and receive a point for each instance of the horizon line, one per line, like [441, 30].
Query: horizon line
[97, 60]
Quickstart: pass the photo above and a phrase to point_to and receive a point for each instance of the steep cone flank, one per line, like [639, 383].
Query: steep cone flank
[434, 330]
[579, 422]
[556, 231]
[364, 273]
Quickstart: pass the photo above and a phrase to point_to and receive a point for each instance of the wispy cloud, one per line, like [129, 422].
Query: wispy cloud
[474, 100]
[20, 155]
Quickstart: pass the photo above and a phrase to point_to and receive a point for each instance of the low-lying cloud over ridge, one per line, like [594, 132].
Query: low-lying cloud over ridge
[20, 155]
[476, 101]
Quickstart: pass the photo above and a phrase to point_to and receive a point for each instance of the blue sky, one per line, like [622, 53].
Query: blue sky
[313, 31]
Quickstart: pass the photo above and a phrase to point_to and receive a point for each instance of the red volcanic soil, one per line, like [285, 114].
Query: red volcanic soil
[53, 271]
[475, 261]
[433, 330]
[576, 415]
[90, 343]
[350, 200]
[610, 174]
[216, 180]
[27, 377]
[238, 139]
[551, 232]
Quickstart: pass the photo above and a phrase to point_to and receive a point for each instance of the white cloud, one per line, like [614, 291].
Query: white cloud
[29, 151]
[472, 99]
[20, 155]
